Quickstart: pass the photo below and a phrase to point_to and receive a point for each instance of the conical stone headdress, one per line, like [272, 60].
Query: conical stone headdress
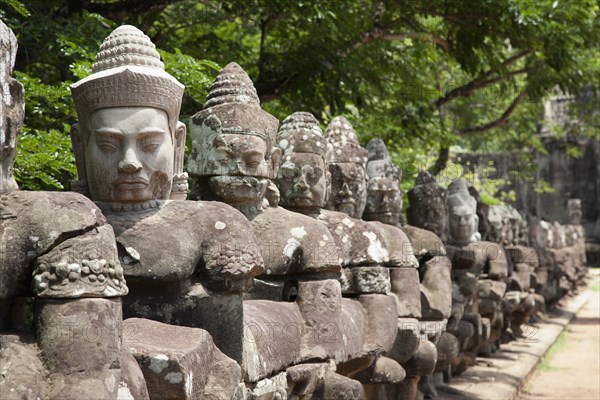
[128, 73]
[380, 164]
[458, 195]
[232, 107]
[345, 145]
[301, 133]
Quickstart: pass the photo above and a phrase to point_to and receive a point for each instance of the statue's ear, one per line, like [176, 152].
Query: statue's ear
[78, 143]
[179, 145]
[328, 185]
[179, 186]
[275, 158]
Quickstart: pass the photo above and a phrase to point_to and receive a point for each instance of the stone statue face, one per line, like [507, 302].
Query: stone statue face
[238, 155]
[348, 188]
[463, 223]
[384, 201]
[302, 181]
[241, 163]
[129, 155]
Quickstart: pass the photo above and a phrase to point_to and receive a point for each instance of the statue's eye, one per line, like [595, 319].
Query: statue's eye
[150, 147]
[222, 154]
[253, 159]
[289, 172]
[108, 145]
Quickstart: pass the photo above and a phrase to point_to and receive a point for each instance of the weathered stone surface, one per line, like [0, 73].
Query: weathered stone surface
[521, 277]
[436, 288]
[398, 246]
[22, 373]
[366, 280]
[338, 387]
[359, 242]
[407, 339]
[522, 254]
[351, 333]
[80, 344]
[12, 108]
[292, 243]
[425, 243]
[303, 379]
[406, 290]
[480, 257]
[463, 220]
[422, 361]
[84, 266]
[381, 325]
[272, 337]
[427, 206]
[132, 384]
[180, 362]
[271, 388]
[348, 169]
[27, 233]
[383, 371]
[224, 249]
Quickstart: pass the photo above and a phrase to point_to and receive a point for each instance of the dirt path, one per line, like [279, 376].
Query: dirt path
[571, 369]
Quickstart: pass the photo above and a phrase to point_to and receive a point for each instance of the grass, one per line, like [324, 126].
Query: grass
[560, 344]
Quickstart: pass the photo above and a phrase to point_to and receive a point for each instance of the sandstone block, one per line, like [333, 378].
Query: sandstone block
[180, 362]
[436, 289]
[382, 326]
[272, 337]
[366, 280]
[406, 290]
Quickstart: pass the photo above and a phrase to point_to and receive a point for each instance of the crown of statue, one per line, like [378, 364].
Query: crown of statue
[425, 178]
[380, 164]
[458, 195]
[233, 100]
[301, 133]
[345, 146]
[128, 73]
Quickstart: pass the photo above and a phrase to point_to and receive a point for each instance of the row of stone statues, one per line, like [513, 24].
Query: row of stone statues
[288, 272]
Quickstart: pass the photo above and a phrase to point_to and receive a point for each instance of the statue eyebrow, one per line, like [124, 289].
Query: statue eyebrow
[152, 130]
[252, 152]
[109, 131]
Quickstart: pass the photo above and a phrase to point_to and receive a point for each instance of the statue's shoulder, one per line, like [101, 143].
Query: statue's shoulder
[69, 209]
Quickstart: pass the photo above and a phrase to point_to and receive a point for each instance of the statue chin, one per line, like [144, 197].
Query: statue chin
[239, 189]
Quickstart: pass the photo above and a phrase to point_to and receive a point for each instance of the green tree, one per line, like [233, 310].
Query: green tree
[423, 75]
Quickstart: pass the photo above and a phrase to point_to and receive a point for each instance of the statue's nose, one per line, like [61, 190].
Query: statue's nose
[130, 163]
[302, 185]
[345, 190]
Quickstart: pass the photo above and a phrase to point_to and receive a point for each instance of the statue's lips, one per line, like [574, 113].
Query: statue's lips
[347, 200]
[300, 196]
[131, 183]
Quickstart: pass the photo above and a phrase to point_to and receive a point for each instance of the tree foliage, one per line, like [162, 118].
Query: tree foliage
[423, 75]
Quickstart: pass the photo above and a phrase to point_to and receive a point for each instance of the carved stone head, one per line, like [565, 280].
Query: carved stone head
[462, 207]
[233, 139]
[11, 109]
[348, 167]
[384, 197]
[574, 211]
[129, 143]
[303, 178]
[428, 207]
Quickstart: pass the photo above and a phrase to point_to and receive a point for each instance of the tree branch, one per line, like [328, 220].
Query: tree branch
[377, 34]
[497, 122]
[481, 82]
[126, 8]
[468, 89]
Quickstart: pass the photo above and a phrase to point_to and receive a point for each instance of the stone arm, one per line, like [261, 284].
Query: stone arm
[183, 238]
[64, 241]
